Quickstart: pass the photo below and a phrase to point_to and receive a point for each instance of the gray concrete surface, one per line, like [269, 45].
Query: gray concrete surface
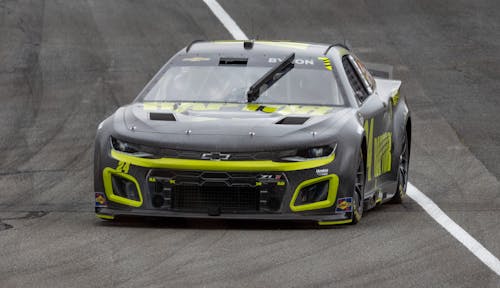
[66, 65]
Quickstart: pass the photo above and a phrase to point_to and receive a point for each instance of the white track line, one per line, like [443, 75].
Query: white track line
[425, 202]
[454, 229]
[226, 20]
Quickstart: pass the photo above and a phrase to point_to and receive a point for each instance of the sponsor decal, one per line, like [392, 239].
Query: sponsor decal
[196, 59]
[344, 205]
[296, 61]
[100, 200]
[322, 172]
[216, 156]
[268, 178]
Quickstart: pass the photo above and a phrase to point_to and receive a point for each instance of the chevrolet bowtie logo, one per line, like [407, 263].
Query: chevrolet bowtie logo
[215, 156]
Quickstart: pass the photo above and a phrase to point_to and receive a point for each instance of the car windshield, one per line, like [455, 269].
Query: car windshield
[301, 86]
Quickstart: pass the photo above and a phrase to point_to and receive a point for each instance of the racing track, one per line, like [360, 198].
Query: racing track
[65, 65]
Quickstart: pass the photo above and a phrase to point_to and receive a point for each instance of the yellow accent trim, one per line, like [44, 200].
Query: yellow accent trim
[210, 165]
[339, 222]
[108, 187]
[104, 216]
[267, 108]
[326, 61]
[382, 156]
[395, 99]
[281, 183]
[258, 183]
[330, 200]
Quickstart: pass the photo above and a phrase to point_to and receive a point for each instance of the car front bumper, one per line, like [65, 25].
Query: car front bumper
[265, 190]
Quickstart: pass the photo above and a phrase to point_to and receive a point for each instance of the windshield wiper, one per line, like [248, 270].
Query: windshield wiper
[271, 77]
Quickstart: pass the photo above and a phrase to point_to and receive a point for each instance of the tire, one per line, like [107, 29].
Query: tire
[359, 191]
[404, 163]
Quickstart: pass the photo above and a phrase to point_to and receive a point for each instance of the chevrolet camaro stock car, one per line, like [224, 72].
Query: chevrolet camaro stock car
[256, 130]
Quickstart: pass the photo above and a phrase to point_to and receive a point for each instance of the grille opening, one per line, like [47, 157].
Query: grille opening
[206, 198]
[124, 188]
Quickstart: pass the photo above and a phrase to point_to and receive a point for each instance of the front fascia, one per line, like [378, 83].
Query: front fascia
[210, 165]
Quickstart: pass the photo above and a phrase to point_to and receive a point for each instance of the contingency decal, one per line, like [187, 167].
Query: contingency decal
[344, 205]
[100, 200]
[322, 172]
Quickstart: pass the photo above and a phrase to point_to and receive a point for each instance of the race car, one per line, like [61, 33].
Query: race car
[251, 129]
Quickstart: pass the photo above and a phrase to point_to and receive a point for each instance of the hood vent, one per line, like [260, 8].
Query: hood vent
[162, 116]
[293, 120]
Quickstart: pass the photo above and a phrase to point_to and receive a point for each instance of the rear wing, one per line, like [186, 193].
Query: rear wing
[380, 70]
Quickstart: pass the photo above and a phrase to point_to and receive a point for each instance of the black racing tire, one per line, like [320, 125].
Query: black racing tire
[359, 191]
[404, 163]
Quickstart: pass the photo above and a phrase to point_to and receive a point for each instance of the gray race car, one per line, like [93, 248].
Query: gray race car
[256, 130]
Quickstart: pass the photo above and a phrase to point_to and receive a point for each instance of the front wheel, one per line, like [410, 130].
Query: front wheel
[404, 162]
[359, 191]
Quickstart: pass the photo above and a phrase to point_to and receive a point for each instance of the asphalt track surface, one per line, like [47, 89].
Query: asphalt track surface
[66, 65]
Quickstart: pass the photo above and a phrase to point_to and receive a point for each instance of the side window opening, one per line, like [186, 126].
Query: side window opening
[354, 79]
[367, 78]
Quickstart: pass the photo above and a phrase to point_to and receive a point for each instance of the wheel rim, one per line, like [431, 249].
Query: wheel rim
[403, 167]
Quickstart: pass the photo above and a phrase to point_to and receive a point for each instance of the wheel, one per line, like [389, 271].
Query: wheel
[404, 162]
[359, 191]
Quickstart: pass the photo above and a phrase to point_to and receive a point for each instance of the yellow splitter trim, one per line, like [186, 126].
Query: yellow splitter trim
[210, 165]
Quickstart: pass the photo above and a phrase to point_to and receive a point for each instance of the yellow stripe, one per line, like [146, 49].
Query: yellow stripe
[335, 222]
[209, 165]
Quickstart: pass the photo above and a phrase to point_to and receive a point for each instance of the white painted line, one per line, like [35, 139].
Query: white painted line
[226, 20]
[427, 204]
[456, 231]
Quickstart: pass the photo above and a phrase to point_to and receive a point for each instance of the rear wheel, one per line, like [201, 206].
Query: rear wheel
[359, 191]
[404, 162]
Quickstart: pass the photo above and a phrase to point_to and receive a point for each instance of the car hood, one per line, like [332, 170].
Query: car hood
[229, 126]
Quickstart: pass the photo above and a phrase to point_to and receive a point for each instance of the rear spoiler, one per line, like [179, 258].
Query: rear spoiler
[380, 70]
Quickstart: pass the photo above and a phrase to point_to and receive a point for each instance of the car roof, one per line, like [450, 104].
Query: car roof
[261, 47]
